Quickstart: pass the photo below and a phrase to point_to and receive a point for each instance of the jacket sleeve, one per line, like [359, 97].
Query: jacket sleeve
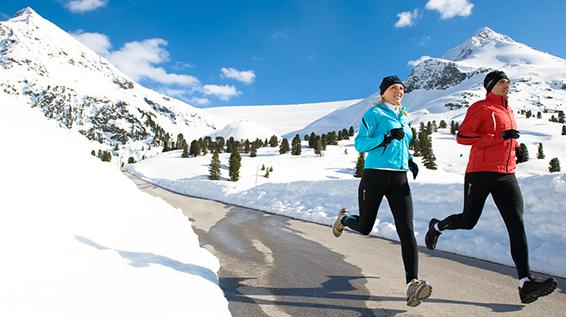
[364, 141]
[470, 130]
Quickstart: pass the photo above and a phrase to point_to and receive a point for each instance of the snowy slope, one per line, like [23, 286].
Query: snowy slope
[69, 83]
[79, 238]
[297, 116]
[245, 130]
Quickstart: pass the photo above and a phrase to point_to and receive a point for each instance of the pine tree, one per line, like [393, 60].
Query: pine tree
[312, 140]
[131, 160]
[539, 115]
[220, 143]
[234, 166]
[185, 150]
[271, 168]
[266, 173]
[106, 156]
[452, 127]
[194, 150]
[442, 124]
[528, 114]
[429, 159]
[525, 152]
[296, 145]
[93, 153]
[262, 167]
[564, 130]
[540, 154]
[284, 147]
[247, 146]
[253, 150]
[317, 145]
[214, 168]
[323, 141]
[273, 142]
[180, 140]
[351, 131]
[360, 165]
[306, 137]
[554, 165]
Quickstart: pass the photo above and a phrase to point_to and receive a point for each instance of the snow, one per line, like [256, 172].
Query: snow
[314, 188]
[79, 239]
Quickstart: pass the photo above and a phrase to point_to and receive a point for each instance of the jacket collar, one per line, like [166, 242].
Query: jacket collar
[385, 107]
[495, 99]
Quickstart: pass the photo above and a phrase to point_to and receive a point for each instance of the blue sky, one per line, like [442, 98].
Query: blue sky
[253, 52]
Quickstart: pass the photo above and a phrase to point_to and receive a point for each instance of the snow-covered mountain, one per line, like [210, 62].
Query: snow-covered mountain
[442, 88]
[44, 67]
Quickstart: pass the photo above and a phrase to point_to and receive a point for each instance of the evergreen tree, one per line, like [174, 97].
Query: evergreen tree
[539, 115]
[540, 153]
[202, 146]
[185, 150]
[273, 142]
[266, 173]
[331, 138]
[234, 166]
[106, 156]
[194, 150]
[214, 168]
[306, 137]
[271, 169]
[429, 159]
[262, 167]
[554, 165]
[528, 114]
[220, 143]
[93, 153]
[351, 131]
[312, 140]
[253, 150]
[323, 141]
[284, 147]
[131, 160]
[231, 145]
[296, 145]
[345, 134]
[179, 143]
[452, 128]
[525, 151]
[317, 145]
[561, 117]
[247, 146]
[360, 165]
[564, 130]
[442, 124]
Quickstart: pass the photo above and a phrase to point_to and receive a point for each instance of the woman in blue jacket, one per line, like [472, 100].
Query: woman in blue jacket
[385, 135]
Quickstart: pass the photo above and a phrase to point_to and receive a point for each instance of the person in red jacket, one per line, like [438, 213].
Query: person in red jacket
[490, 128]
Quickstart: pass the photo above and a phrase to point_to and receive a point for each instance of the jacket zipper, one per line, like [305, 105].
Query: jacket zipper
[511, 140]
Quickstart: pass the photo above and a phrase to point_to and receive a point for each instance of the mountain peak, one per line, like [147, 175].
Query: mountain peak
[481, 38]
[26, 13]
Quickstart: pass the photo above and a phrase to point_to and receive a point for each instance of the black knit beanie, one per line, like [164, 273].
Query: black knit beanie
[492, 78]
[388, 81]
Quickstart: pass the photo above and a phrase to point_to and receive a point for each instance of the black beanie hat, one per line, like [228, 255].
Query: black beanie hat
[492, 78]
[388, 81]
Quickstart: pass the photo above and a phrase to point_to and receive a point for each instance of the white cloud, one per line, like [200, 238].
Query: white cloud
[222, 92]
[246, 76]
[199, 101]
[418, 61]
[80, 6]
[406, 18]
[100, 43]
[451, 8]
[140, 59]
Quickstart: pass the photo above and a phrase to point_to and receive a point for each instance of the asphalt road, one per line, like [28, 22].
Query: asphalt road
[276, 266]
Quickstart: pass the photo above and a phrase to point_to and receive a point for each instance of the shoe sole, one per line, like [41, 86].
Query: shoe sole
[539, 293]
[337, 227]
[421, 294]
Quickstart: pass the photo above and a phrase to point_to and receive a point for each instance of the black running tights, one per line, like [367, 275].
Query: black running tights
[507, 197]
[394, 186]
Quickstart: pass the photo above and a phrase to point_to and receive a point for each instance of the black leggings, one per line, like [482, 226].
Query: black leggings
[507, 197]
[394, 186]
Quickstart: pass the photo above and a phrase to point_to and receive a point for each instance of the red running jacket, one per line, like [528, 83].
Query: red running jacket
[482, 128]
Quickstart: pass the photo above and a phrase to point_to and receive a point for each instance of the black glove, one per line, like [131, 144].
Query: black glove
[510, 134]
[520, 155]
[397, 133]
[414, 168]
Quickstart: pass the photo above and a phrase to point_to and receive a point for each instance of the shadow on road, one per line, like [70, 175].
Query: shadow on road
[236, 290]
